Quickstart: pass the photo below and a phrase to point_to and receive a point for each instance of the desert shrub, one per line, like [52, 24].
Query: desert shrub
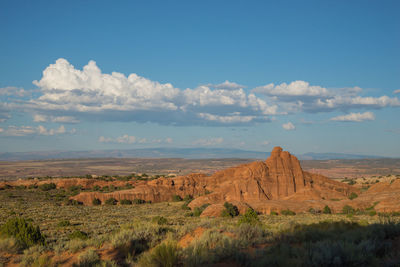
[160, 220]
[72, 202]
[211, 247]
[188, 198]
[326, 210]
[139, 201]
[105, 188]
[176, 198]
[111, 201]
[20, 187]
[10, 245]
[288, 212]
[96, 202]
[47, 187]
[230, 210]
[63, 223]
[372, 213]
[88, 258]
[250, 217]
[96, 188]
[249, 234]
[23, 231]
[126, 202]
[274, 213]
[347, 209]
[185, 206]
[32, 186]
[166, 255]
[75, 245]
[353, 196]
[35, 257]
[199, 210]
[130, 243]
[78, 235]
[74, 188]
[128, 186]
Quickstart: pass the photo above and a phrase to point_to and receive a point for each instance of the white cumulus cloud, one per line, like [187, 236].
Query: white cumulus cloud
[89, 92]
[288, 126]
[355, 117]
[396, 91]
[296, 88]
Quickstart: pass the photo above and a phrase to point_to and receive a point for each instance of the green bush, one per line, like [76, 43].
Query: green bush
[199, 210]
[73, 188]
[96, 202]
[47, 187]
[111, 201]
[126, 202]
[78, 235]
[348, 209]
[185, 206]
[230, 210]
[32, 186]
[96, 188]
[326, 210]
[73, 202]
[274, 213]
[188, 198]
[372, 213]
[160, 220]
[250, 217]
[353, 196]
[176, 198]
[288, 212]
[139, 201]
[63, 223]
[24, 232]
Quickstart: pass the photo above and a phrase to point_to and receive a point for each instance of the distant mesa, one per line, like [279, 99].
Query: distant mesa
[276, 184]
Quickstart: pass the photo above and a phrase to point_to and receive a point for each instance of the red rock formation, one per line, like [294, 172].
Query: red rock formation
[265, 186]
[273, 185]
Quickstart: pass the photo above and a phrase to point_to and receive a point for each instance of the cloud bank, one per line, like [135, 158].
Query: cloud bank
[89, 92]
[69, 95]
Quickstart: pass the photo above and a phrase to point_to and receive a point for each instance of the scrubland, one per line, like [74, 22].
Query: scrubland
[169, 234]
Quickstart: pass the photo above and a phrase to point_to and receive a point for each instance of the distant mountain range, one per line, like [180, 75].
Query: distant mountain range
[189, 153]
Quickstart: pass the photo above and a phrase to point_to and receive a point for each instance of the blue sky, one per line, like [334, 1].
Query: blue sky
[320, 76]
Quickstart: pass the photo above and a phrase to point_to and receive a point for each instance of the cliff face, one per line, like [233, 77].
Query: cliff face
[286, 173]
[280, 177]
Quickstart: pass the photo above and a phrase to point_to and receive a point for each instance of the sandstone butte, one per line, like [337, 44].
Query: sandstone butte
[277, 184]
